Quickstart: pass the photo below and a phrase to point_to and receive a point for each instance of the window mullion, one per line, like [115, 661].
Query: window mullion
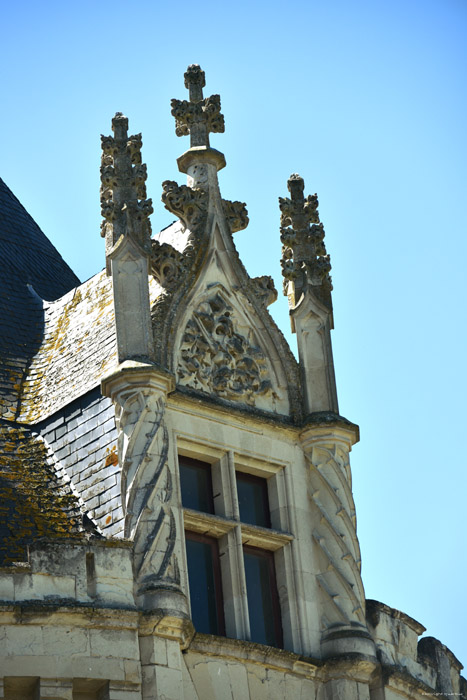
[222, 487]
[239, 595]
[243, 619]
[233, 486]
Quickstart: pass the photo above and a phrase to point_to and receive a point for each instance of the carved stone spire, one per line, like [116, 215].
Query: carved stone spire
[196, 201]
[127, 234]
[306, 267]
[123, 191]
[198, 117]
[304, 259]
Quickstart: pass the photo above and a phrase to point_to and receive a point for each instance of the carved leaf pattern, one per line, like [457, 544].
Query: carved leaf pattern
[168, 265]
[236, 214]
[304, 258]
[264, 289]
[215, 358]
[207, 111]
[124, 206]
[188, 203]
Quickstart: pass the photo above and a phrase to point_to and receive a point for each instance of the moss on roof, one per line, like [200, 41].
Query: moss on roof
[34, 501]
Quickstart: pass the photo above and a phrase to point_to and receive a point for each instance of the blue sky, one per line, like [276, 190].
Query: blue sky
[367, 101]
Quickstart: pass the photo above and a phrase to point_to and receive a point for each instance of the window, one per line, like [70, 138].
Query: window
[263, 601]
[253, 501]
[233, 539]
[207, 609]
[196, 484]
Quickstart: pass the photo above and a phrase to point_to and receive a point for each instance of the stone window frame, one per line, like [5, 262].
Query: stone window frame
[226, 527]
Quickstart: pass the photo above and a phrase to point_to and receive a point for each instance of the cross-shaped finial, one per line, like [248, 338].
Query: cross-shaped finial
[304, 259]
[199, 116]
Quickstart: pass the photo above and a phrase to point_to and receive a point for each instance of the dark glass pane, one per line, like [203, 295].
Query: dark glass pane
[205, 594]
[196, 485]
[263, 605]
[253, 500]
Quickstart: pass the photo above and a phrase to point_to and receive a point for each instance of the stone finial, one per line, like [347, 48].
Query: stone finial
[123, 190]
[304, 258]
[197, 116]
[195, 81]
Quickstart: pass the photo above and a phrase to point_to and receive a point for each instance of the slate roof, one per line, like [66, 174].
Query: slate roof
[31, 269]
[78, 348]
[57, 341]
[36, 496]
[35, 499]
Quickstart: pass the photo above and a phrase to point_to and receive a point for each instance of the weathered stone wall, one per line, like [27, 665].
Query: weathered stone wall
[70, 630]
[405, 659]
[68, 624]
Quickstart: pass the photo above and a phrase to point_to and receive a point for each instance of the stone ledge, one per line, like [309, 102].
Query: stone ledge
[329, 418]
[374, 607]
[252, 652]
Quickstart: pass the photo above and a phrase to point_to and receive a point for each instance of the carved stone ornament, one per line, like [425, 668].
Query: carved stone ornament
[197, 116]
[335, 532]
[168, 265]
[264, 289]
[216, 359]
[123, 190]
[236, 214]
[304, 258]
[188, 203]
[207, 111]
[147, 485]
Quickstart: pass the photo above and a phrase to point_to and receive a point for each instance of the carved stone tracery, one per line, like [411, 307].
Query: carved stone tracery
[216, 359]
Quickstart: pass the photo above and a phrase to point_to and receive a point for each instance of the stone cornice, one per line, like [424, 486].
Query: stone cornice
[321, 419]
[318, 425]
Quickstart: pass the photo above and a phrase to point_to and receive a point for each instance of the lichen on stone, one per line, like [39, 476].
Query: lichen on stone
[33, 501]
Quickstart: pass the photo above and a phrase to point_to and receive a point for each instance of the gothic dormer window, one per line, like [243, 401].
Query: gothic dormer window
[233, 540]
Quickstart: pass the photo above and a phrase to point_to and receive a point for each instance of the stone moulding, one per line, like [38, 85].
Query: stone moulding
[216, 359]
